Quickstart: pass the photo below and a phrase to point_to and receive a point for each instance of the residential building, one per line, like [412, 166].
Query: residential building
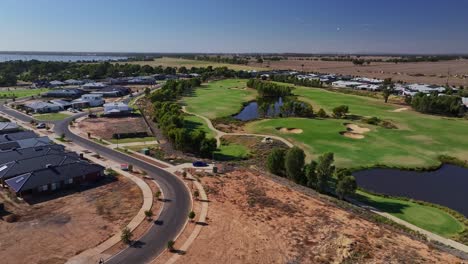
[31, 152]
[425, 88]
[91, 100]
[8, 127]
[117, 109]
[94, 85]
[64, 93]
[74, 82]
[25, 143]
[346, 84]
[113, 91]
[465, 101]
[52, 178]
[56, 83]
[62, 103]
[42, 107]
[17, 136]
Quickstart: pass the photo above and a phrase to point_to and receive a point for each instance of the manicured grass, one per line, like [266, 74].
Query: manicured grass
[196, 123]
[19, 93]
[138, 148]
[51, 116]
[427, 217]
[131, 140]
[219, 98]
[177, 62]
[417, 142]
[232, 151]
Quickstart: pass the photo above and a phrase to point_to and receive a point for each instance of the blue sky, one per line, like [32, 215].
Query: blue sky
[312, 26]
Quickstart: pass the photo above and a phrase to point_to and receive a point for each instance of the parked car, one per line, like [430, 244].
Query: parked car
[41, 126]
[200, 164]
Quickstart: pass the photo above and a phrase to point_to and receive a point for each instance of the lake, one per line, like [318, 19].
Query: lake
[447, 186]
[57, 57]
[270, 107]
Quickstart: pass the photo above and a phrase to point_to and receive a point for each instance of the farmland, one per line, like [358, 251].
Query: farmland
[178, 62]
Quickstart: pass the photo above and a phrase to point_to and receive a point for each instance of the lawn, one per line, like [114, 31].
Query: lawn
[178, 62]
[51, 117]
[232, 151]
[219, 98]
[427, 217]
[138, 148]
[417, 142]
[131, 140]
[194, 123]
[19, 93]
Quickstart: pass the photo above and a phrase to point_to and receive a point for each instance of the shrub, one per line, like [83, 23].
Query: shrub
[11, 218]
[126, 236]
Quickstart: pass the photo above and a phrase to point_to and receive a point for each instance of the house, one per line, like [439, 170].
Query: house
[117, 109]
[368, 87]
[31, 152]
[52, 178]
[91, 100]
[94, 85]
[17, 136]
[14, 168]
[465, 101]
[56, 83]
[8, 127]
[42, 107]
[62, 103]
[74, 82]
[64, 93]
[346, 84]
[113, 91]
[425, 88]
[25, 143]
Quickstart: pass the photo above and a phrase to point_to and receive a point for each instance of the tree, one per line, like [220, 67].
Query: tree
[130, 167]
[340, 111]
[170, 245]
[196, 193]
[148, 214]
[321, 113]
[294, 162]
[346, 186]
[325, 170]
[388, 88]
[89, 134]
[310, 171]
[191, 215]
[157, 195]
[126, 235]
[275, 161]
[147, 91]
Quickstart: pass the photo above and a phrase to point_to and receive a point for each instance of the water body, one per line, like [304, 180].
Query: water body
[260, 108]
[63, 58]
[447, 186]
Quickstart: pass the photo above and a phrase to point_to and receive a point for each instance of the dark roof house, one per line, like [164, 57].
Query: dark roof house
[64, 93]
[17, 136]
[8, 127]
[25, 143]
[26, 153]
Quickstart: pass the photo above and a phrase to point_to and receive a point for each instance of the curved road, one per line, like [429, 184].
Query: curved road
[177, 197]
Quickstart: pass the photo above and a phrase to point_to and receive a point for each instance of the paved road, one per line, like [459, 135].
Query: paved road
[177, 205]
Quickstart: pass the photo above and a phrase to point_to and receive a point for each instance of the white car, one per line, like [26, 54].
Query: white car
[41, 126]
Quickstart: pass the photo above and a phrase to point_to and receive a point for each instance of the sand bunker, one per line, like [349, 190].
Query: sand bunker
[354, 131]
[400, 109]
[290, 130]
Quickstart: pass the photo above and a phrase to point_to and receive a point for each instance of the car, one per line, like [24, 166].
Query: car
[200, 164]
[41, 125]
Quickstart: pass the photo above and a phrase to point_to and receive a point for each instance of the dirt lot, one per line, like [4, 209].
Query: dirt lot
[255, 220]
[434, 72]
[55, 230]
[104, 127]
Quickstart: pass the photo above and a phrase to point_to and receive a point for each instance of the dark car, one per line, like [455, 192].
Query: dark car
[200, 164]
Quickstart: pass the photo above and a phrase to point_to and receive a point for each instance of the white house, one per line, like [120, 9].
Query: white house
[368, 87]
[91, 100]
[465, 101]
[424, 88]
[346, 84]
[42, 107]
[74, 82]
[117, 108]
[56, 83]
[94, 85]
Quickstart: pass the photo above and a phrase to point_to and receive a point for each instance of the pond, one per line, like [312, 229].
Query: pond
[447, 186]
[270, 107]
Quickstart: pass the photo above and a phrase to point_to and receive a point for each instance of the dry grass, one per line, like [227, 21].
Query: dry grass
[105, 127]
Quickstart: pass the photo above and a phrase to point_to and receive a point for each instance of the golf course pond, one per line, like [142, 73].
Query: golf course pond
[447, 186]
[260, 108]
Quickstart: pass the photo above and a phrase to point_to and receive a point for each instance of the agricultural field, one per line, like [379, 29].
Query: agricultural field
[19, 93]
[219, 98]
[178, 62]
[417, 141]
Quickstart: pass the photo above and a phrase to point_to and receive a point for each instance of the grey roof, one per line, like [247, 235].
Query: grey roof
[8, 126]
[41, 105]
[26, 153]
[14, 168]
[17, 136]
[33, 180]
[25, 143]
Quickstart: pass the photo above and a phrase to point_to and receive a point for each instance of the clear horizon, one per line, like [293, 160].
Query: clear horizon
[209, 26]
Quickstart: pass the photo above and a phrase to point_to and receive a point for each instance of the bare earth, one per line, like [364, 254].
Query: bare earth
[255, 220]
[104, 127]
[290, 130]
[434, 72]
[55, 230]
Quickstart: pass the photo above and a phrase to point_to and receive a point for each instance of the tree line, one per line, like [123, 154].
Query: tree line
[269, 89]
[450, 105]
[294, 80]
[170, 118]
[318, 175]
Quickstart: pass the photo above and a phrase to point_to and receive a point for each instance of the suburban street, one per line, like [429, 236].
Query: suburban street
[176, 196]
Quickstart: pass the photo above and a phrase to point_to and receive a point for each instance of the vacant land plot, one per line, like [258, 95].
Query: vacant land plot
[106, 127]
[51, 117]
[255, 220]
[177, 62]
[20, 92]
[417, 142]
[55, 230]
[219, 98]
[417, 72]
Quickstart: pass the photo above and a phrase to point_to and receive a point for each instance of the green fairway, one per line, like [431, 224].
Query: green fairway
[196, 123]
[51, 117]
[427, 217]
[417, 142]
[178, 62]
[131, 140]
[19, 93]
[219, 98]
